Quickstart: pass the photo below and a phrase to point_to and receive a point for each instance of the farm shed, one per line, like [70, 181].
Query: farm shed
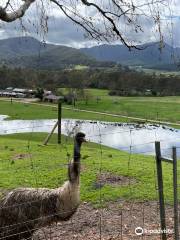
[53, 98]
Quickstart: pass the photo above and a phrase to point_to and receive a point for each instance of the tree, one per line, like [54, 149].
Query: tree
[40, 93]
[101, 20]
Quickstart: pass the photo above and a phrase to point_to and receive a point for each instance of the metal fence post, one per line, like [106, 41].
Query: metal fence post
[175, 186]
[160, 189]
[59, 120]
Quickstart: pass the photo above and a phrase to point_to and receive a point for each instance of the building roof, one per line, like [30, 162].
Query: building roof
[21, 90]
[9, 88]
[47, 92]
[53, 97]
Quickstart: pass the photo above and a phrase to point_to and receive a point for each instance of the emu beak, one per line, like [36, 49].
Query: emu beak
[84, 140]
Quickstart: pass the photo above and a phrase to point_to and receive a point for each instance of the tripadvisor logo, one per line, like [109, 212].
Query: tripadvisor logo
[139, 231]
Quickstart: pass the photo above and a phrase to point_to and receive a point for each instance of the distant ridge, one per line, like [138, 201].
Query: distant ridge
[28, 52]
[150, 56]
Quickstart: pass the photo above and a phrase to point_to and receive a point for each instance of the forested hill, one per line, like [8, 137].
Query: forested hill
[28, 52]
[149, 57]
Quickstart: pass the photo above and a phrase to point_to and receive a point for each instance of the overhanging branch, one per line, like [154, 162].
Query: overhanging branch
[12, 16]
[110, 20]
[106, 25]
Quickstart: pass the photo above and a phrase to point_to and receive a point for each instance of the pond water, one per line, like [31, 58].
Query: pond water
[128, 137]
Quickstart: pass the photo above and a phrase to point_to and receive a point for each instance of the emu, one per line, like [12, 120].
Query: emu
[24, 210]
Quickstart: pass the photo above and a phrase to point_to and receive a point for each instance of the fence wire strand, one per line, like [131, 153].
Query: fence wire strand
[121, 233]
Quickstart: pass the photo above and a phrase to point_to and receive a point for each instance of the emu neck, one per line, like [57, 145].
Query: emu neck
[74, 167]
[77, 150]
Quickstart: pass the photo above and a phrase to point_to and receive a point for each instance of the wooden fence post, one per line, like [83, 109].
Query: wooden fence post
[50, 134]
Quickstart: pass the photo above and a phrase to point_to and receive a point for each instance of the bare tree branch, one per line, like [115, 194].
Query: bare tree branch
[104, 14]
[12, 16]
[107, 22]
[7, 4]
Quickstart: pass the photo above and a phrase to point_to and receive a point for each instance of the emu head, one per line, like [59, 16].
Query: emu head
[80, 138]
[74, 167]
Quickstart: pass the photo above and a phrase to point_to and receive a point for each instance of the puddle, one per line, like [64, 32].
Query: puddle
[135, 138]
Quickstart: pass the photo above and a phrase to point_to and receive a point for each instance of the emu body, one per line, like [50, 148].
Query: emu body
[24, 210]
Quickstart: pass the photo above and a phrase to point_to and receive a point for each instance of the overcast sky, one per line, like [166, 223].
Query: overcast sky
[63, 31]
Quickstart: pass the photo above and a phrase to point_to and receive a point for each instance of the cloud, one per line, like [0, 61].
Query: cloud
[63, 31]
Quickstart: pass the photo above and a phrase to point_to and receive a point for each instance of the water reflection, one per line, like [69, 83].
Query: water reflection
[128, 137]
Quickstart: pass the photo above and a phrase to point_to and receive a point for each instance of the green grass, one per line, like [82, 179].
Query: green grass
[156, 108]
[26, 111]
[45, 167]
[80, 67]
[31, 111]
[161, 72]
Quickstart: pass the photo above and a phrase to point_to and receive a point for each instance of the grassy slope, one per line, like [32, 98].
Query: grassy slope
[45, 168]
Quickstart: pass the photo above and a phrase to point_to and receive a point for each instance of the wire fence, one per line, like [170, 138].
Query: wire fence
[118, 189]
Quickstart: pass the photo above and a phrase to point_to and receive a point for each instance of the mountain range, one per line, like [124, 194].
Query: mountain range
[150, 55]
[28, 52]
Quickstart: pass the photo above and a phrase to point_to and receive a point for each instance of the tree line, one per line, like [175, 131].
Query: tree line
[120, 81]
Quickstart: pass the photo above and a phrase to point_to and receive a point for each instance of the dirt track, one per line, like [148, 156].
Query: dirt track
[115, 222]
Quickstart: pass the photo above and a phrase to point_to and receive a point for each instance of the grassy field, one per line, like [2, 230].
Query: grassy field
[80, 67]
[155, 71]
[165, 109]
[32, 111]
[157, 108]
[25, 162]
